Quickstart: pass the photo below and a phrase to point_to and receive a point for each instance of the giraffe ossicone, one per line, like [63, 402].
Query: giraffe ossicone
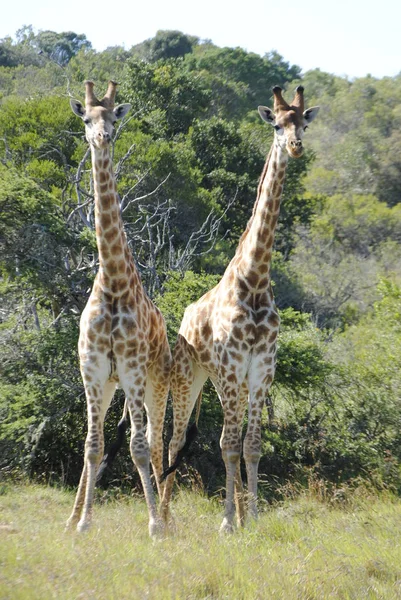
[123, 337]
[230, 334]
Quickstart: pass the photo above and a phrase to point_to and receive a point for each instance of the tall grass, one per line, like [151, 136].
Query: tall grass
[303, 548]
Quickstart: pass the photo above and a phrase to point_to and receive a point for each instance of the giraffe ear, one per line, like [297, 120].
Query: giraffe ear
[267, 114]
[311, 113]
[77, 108]
[121, 110]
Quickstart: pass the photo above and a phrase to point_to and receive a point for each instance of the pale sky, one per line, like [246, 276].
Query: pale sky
[345, 37]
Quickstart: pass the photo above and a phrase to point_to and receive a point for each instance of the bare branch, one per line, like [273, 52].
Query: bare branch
[124, 204]
[206, 234]
[80, 192]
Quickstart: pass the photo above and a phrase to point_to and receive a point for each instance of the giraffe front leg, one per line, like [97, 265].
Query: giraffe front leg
[79, 500]
[239, 497]
[239, 488]
[98, 395]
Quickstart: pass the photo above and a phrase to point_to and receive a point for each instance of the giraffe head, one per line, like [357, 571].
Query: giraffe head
[289, 120]
[99, 116]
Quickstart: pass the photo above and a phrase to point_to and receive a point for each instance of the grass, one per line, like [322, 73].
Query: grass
[301, 549]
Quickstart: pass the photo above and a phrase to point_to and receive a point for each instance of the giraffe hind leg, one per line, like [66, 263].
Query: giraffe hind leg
[155, 403]
[184, 398]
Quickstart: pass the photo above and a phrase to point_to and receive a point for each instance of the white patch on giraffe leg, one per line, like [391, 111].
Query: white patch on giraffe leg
[84, 525]
[231, 459]
[227, 526]
[157, 529]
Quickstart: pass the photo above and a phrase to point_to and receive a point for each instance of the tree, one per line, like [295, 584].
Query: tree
[167, 97]
[166, 44]
[60, 47]
[235, 64]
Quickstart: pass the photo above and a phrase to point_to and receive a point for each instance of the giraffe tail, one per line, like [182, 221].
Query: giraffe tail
[112, 451]
[191, 434]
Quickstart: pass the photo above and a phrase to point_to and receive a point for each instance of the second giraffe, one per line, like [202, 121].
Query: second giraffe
[230, 334]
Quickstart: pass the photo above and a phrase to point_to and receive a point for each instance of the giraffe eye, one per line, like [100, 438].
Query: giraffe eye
[277, 127]
[86, 121]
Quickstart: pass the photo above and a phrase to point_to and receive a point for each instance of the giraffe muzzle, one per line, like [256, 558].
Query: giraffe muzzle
[295, 148]
[103, 135]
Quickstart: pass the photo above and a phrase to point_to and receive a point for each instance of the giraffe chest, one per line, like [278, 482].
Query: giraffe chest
[118, 328]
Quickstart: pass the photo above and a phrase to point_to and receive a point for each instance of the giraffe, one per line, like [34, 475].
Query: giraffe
[229, 335]
[123, 337]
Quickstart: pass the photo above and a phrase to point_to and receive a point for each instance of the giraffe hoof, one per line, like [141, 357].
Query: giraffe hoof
[83, 526]
[157, 529]
[68, 525]
[226, 527]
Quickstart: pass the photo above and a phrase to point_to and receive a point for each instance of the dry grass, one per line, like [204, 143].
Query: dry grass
[304, 548]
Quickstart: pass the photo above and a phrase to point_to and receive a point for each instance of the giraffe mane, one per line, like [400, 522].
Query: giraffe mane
[255, 206]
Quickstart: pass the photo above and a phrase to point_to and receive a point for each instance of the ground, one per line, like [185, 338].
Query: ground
[303, 548]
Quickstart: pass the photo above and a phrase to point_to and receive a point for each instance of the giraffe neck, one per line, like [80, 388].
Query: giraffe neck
[254, 252]
[115, 259]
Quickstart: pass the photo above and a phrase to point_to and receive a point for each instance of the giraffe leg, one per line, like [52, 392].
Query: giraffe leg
[155, 404]
[239, 498]
[79, 500]
[239, 489]
[185, 389]
[99, 396]
[133, 383]
[231, 398]
[252, 442]
[230, 444]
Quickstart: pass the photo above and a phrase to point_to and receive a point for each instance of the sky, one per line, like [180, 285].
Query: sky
[346, 37]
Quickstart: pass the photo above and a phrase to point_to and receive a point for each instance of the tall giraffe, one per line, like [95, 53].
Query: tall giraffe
[122, 334]
[230, 334]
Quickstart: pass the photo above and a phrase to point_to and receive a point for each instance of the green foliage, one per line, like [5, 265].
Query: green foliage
[30, 48]
[165, 92]
[258, 74]
[357, 142]
[60, 47]
[33, 239]
[38, 136]
[97, 66]
[352, 241]
[38, 397]
[180, 291]
[301, 363]
[166, 44]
